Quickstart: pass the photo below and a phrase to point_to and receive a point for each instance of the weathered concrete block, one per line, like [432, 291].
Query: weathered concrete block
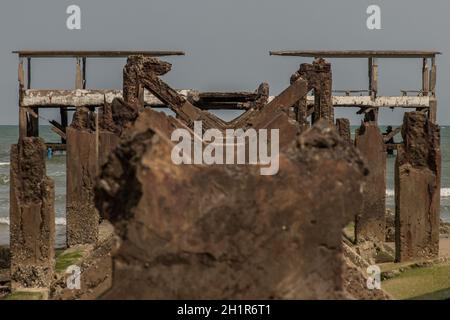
[344, 130]
[319, 78]
[82, 166]
[209, 232]
[370, 222]
[32, 216]
[417, 186]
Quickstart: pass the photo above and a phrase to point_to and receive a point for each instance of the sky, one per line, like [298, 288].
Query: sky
[227, 43]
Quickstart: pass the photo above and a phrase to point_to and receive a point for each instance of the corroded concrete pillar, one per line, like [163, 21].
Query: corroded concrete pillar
[82, 168]
[221, 240]
[417, 188]
[319, 78]
[370, 222]
[133, 91]
[344, 130]
[32, 216]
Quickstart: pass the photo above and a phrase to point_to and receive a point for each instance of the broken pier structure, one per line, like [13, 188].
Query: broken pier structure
[32, 192]
[96, 131]
[417, 174]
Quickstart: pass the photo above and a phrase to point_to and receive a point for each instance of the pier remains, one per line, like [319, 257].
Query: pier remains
[118, 166]
[370, 224]
[417, 173]
[32, 216]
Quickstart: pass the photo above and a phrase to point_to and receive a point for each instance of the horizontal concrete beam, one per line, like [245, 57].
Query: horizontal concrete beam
[80, 98]
[380, 102]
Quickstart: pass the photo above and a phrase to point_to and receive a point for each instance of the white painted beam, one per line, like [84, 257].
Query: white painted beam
[79, 98]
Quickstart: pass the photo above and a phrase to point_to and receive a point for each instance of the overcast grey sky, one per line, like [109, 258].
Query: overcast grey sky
[227, 42]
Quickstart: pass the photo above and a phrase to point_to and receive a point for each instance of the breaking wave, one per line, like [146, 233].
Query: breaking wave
[59, 221]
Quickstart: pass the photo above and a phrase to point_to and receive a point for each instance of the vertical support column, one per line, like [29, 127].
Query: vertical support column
[78, 75]
[417, 189]
[370, 223]
[432, 114]
[22, 111]
[84, 72]
[323, 68]
[64, 121]
[373, 77]
[343, 127]
[319, 77]
[133, 92]
[372, 115]
[425, 77]
[28, 73]
[32, 216]
[301, 107]
[82, 217]
[32, 120]
[97, 139]
[433, 74]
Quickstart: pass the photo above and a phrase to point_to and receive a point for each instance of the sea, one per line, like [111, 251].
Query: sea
[56, 169]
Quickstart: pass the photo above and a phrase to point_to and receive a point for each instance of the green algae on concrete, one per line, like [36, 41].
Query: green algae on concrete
[349, 232]
[430, 283]
[27, 295]
[66, 259]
